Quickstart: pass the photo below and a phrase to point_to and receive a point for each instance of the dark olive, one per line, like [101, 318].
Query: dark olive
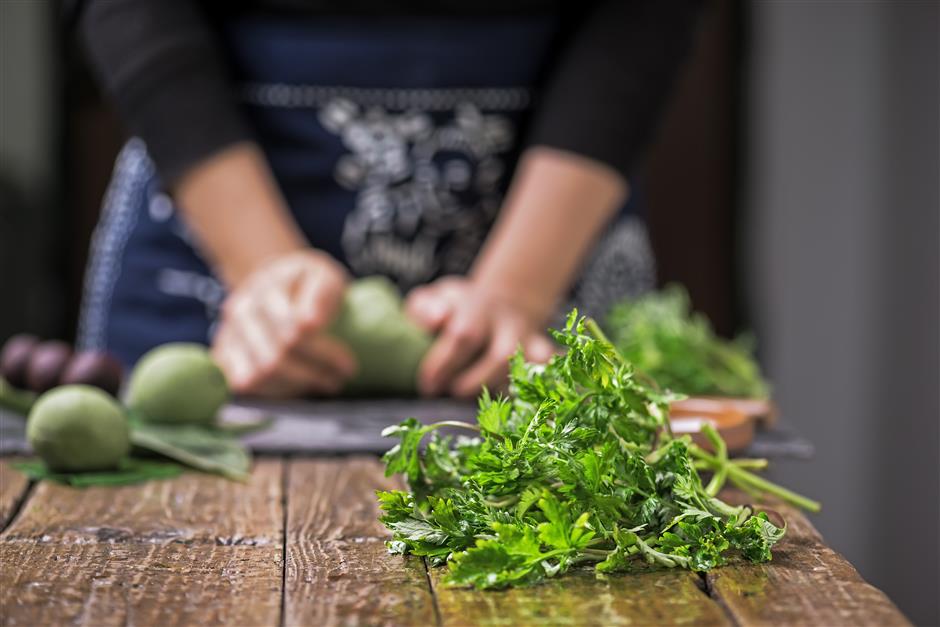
[97, 368]
[15, 358]
[46, 365]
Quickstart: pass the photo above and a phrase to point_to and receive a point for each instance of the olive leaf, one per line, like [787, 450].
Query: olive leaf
[15, 400]
[131, 470]
[200, 447]
[244, 427]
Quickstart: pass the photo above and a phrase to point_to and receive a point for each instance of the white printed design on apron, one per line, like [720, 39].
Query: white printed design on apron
[418, 184]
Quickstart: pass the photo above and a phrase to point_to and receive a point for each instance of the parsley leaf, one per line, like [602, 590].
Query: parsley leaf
[575, 466]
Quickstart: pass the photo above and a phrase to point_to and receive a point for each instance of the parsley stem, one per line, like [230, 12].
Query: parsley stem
[750, 464]
[721, 454]
[591, 555]
[595, 330]
[737, 474]
[454, 423]
[745, 479]
[512, 499]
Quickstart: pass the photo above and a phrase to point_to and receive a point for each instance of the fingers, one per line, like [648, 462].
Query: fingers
[249, 371]
[327, 352]
[232, 359]
[539, 349]
[318, 298]
[266, 347]
[456, 347]
[430, 306]
[491, 368]
[290, 378]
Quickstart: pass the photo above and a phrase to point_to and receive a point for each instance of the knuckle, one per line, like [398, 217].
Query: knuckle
[293, 338]
[242, 383]
[310, 321]
[266, 368]
[417, 297]
[501, 351]
[465, 391]
[466, 335]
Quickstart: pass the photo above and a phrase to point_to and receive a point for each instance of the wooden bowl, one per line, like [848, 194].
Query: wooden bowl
[734, 425]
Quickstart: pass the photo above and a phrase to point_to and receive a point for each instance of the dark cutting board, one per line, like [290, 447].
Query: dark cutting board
[348, 426]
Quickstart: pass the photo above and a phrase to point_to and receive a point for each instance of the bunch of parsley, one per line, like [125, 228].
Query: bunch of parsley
[576, 466]
[663, 338]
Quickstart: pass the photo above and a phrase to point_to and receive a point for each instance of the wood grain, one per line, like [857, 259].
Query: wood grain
[13, 486]
[100, 584]
[200, 549]
[669, 597]
[338, 569]
[194, 507]
[806, 583]
[197, 549]
[334, 499]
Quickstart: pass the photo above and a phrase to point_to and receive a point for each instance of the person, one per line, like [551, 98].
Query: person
[476, 153]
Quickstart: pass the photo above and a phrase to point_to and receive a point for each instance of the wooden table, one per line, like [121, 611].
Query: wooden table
[300, 545]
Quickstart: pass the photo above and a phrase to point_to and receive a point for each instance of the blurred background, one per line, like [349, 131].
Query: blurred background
[793, 188]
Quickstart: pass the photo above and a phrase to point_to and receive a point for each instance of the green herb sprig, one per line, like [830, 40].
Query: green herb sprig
[662, 337]
[576, 466]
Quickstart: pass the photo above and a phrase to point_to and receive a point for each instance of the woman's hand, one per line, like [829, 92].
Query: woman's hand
[272, 339]
[477, 331]
[557, 204]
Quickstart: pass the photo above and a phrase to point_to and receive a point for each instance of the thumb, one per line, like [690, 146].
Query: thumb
[539, 349]
[427, 308]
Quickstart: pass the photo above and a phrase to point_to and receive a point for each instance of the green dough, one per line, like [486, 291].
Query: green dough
[77, 428]
[177, 383]
[387, 344]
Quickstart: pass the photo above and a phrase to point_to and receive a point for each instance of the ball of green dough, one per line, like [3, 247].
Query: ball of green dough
[387, 344]
[177, 383]
[75, 428]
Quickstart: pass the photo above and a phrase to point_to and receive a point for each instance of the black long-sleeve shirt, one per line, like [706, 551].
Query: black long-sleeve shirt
[608, 76]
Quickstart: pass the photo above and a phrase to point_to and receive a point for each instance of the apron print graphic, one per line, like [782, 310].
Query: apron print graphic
[427, 190]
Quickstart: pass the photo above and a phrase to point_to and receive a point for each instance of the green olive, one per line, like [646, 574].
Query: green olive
[75, 428]
[388, 345]
[177, 383]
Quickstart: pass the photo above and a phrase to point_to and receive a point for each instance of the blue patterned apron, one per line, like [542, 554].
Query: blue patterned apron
[393, 141]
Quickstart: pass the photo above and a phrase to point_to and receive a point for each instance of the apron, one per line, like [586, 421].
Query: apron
[393, 141]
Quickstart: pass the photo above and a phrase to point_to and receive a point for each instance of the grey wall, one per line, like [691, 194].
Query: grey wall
[842, 242]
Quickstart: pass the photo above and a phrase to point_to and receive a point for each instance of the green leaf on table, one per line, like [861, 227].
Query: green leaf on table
[130, 471]
[14, 399]
[238, 428]
[196, 446]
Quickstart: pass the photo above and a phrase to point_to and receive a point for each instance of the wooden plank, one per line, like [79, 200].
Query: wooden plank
[103, 583]
[806, 583]
[194, 507]
[338, 569]
[339, 582]
[197, 549]
[13, 486]
[669, 597]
